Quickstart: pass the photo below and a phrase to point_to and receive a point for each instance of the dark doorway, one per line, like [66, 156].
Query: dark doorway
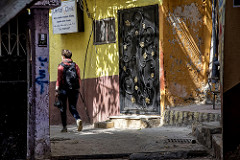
[13, 88]
[139, 60]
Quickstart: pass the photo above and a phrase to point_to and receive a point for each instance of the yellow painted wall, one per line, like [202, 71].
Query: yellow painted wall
[186, 36]
[102, 60]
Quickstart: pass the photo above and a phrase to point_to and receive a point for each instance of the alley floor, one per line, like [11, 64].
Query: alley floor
[119, 142]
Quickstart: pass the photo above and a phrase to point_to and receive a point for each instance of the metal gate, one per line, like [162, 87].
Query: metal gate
[139, 60]
[13, 88]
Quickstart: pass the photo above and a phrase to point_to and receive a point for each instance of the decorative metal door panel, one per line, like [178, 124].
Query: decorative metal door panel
[139, 60]
[13, 88]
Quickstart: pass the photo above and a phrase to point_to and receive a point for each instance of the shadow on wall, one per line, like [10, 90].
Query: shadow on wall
[101, 97]
[185, 54]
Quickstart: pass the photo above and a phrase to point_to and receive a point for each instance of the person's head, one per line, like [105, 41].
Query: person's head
[66, 53]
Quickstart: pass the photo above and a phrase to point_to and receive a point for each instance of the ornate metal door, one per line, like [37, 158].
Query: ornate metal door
[13, 89]
[139, 60]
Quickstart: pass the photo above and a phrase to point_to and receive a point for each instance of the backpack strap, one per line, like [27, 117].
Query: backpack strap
[73, 63]
[62, 64]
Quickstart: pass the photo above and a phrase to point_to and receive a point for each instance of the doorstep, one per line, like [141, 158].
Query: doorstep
[135, 121]
[130, 122]
[176, 116]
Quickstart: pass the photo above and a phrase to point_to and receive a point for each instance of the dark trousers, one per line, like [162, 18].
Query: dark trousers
[72, 97]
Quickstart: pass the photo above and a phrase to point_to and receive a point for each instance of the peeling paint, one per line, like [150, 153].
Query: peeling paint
[178, 90]
[185, 49]
[189, 12]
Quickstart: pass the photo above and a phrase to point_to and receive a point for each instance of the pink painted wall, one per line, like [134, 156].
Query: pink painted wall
[101, 96]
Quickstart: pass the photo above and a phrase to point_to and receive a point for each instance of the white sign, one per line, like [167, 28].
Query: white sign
[64, 18]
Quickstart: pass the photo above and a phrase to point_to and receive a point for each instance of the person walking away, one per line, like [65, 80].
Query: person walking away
[68, 87]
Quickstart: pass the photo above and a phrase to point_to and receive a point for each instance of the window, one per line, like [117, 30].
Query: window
[104, 31]
[13, 38]
[236, 3]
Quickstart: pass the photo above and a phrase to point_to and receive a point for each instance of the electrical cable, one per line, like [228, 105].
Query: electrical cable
[81, 4]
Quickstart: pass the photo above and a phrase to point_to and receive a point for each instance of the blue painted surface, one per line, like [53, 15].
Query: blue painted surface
[41, 79]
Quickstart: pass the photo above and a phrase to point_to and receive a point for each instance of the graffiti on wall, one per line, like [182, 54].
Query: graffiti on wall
[41, 79]
[38, 113]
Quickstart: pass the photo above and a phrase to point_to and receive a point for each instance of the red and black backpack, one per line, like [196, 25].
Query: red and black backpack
[70, 76]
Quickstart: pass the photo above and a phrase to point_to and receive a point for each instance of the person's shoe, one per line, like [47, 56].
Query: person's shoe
[64, 129]
[79, 124]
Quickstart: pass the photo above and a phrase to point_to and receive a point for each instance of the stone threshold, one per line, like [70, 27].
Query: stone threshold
[137, 117]
[130, 122]
[177, 116]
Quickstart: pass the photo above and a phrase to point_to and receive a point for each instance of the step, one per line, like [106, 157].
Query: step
[217, 146]
[177, 116]
[187, 118]
[192, 154]
[130, 122]
[106, 124]
[204, 131]
[183, 154]
[135, 121]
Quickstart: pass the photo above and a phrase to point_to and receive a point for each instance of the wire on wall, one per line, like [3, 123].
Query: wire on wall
[84, 7]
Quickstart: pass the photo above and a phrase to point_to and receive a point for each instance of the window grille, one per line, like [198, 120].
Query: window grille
[104, 31]
[236, 3]
[13, 39]
[13, 50]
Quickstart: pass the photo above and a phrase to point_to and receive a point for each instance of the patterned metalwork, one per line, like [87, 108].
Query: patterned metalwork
[147, 100]
[152, 75]
[141, 44]
[13, 84]
[138, 62]
[143, 26]
[13, 51]
[153, 53]
[127, 23]
[133, 100]
[145, 55]
[136, 33]
[48, 3]
[136, 88]
[135, 79]
[124, 68]
[12, 42]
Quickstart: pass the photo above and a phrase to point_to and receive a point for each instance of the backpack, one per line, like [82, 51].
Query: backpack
[70, 77]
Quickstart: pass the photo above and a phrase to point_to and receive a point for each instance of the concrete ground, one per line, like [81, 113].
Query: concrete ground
[124, 143]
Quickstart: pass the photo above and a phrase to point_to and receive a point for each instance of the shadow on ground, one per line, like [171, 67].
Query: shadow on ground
[93, 141]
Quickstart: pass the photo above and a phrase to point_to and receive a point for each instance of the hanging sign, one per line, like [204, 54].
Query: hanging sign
[64, 18]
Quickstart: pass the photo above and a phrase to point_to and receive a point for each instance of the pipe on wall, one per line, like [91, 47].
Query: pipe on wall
[215, 62]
